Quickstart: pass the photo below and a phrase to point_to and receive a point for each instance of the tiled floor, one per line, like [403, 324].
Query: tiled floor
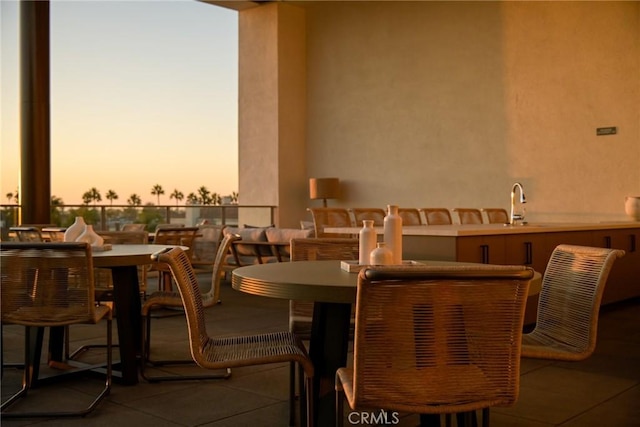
[601, 391]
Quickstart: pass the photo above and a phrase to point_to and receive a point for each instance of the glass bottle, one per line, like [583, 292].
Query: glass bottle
[368, 239]
[393, 233]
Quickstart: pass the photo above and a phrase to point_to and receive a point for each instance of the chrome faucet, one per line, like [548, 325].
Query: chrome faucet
[513, 216]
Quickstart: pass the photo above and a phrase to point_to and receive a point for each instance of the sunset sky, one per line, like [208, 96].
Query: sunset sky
[143, 92]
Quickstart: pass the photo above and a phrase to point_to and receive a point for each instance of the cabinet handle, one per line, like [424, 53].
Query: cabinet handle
[484, 251]
[528, 253]
[607, 242]
[632, 243]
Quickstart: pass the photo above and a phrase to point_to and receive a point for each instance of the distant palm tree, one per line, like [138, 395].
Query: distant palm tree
[111, 196]
[56, 201]
[86, 197]
[234, 197]
[177, 195]
[192, 199]
[13, 196]
[205, 196]
[93, 195]
[134, 200]
[157, 190]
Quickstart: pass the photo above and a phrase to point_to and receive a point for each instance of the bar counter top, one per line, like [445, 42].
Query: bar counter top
[458, 230]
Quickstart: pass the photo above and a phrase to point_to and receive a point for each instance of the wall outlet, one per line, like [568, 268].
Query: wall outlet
[607, 131]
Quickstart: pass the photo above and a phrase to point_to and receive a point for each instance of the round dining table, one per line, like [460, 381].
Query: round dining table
[123, 261]
[333, 291]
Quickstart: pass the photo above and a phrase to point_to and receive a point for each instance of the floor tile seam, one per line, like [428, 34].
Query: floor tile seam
[147, 413]
[237, 414]
[592, 407]
[571, 369]
[504, 412]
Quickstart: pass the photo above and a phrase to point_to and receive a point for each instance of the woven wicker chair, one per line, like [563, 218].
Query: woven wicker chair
[205, 245]
[330, 217]
[569, 303]
[233, 352]
[301, 312]
[469, 216]
[436, 340]
[167, 234]
[496, 215]
[49, 285]
[437, 216]
[104, 281]
[163, 299]
[376, 214]
[410, 216]
[27, 234]
[54, 234]
[133, 227]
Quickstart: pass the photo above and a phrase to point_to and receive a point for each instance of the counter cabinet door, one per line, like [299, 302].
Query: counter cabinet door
[624, 279]
[532, 250]
[481, 249]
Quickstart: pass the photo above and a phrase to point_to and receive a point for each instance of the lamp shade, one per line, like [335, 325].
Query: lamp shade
[324, 188]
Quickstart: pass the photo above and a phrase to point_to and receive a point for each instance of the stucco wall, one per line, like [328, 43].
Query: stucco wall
[448, 103]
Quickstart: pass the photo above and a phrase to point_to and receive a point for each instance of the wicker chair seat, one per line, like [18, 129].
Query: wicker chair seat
[241, 351]
[54, 316]
[437, 392]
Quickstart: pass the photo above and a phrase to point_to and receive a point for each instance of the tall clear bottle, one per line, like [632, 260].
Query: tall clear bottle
[368, 239]
[393, 233]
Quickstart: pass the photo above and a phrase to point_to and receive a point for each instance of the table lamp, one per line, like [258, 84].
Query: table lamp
[324, 188]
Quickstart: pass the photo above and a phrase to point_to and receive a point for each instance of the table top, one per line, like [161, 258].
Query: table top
[322, 281]
[126, 255]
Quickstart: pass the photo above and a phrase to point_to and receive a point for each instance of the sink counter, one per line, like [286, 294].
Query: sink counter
[529, 245]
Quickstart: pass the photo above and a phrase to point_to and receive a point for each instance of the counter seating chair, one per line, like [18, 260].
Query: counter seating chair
[469, 216]
[436, 340]
[164, 299]
[410, 216]
[27, 234]
[569, 303]
[330, 217]
[496, 215]
[133, 227]
[168, 234]
[233, 352]
[301, 312]
[437, 216]
[376, 214]
[50, 285]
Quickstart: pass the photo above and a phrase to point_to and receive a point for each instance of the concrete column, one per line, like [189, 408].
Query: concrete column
[35, 164]
[272, 112]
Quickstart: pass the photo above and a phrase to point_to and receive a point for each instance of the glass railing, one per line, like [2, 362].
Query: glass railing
[113, 217]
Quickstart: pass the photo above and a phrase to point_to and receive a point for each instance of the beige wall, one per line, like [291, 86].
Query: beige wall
[444, 104]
